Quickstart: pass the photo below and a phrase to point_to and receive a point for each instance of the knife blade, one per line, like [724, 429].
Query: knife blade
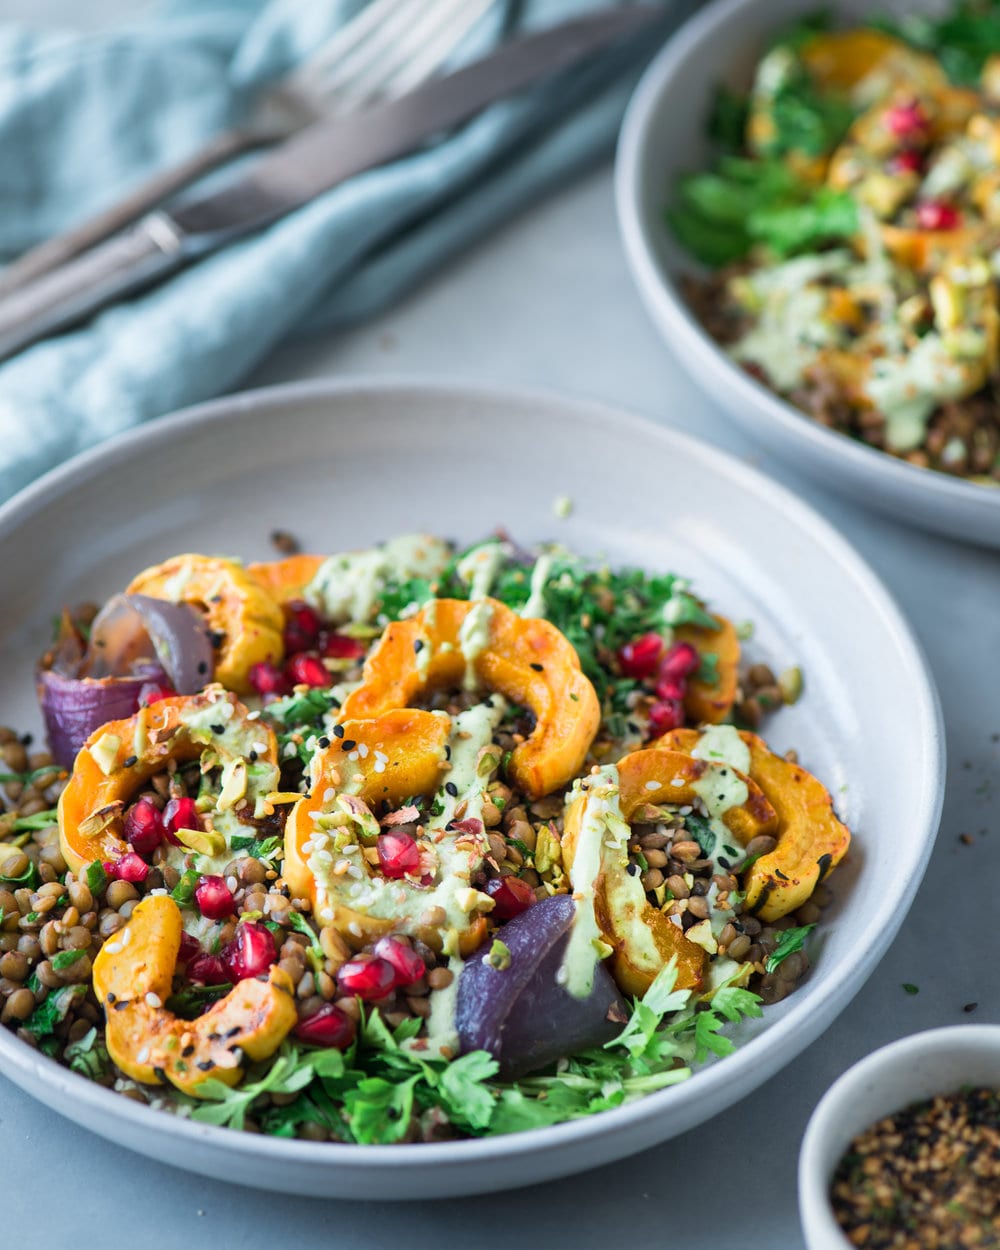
[319, 158]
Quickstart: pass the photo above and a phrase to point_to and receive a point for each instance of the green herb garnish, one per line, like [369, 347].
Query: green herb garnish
[789, 941]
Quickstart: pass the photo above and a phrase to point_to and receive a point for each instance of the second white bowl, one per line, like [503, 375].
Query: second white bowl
[939, 1061]
[663, 137]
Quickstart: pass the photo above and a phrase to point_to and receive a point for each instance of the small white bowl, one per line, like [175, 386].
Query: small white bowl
[939, 1061]
[663, 137]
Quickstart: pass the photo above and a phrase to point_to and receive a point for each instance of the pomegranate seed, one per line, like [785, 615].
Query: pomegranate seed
[251, 952]
[190, 948]
[208, 970]
[937, 215]
[640, 657]
[268, 679]
[129, 868]
[404, 959]
[665, 715]
[214, 898]
[905, 120]
[153, 691]
[367, 977]
[667, 689]
[510, 895]
[909, 161]
[302, 627]
[329, 1027]
[680, 661]
[341, 647]
[179, 814]
[307, 670]
[398, 854]
[143, 828]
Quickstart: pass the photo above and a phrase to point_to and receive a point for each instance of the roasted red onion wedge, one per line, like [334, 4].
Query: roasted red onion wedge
[137, 628]
[521, 1014]
[133, 640]
[73, 707]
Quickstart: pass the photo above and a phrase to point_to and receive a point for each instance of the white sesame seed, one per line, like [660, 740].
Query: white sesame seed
[329, 794]
[112, 947]
[143, 1055]
[153, 1000]
[353, 756]
[652, 785]
[379, 766]
[363, 750]
[253, 715]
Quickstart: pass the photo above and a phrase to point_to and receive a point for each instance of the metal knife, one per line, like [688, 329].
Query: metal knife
[312, 162]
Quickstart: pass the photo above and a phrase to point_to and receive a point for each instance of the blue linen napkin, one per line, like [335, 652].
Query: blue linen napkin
[83, 117]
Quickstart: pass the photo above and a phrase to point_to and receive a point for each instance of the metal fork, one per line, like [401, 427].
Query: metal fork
[389, 48]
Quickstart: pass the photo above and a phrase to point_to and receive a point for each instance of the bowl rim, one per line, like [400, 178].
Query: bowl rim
[787, 1037]
[814, 1168]
[668, 308]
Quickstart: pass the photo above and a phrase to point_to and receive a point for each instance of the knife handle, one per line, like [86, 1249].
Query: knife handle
[57, 300]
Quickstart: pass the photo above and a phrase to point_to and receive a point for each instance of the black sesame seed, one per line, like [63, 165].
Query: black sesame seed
[188, 1051]
[418, 645]
[217, 729]
[338, 731]
[451, 788]
[447, 753]
[121, 1004]
[204, 1065]
[112, 996]
[348, 744]
[216, 637]
[538, 668]
[323, 742]
[252, 757]
[632, 869]
[202, 668]
[131, 761]
[725, 863]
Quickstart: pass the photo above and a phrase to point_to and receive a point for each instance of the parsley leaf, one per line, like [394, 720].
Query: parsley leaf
[789, 940]
[183, 891]
[96, 878]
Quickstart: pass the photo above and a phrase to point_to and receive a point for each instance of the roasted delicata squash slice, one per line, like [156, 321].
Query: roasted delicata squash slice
[484, 644]
[811, 840]
[133, 975]
[286, 579]
[332, 837]
[641, 938]
[241, 613]
[118, 760]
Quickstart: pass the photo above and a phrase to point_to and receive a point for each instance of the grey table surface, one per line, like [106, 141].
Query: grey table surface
[549, 302]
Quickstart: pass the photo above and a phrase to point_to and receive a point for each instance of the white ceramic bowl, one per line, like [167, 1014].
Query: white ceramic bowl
[939, 1061]
[663, 137]
[343, 465]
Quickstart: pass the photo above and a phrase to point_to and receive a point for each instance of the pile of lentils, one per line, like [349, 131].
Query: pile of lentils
[926, 1178]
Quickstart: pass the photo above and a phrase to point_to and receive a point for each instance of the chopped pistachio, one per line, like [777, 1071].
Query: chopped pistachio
[790, 684]
[234, 784]
[499, 956]
[105, 752]
[201, 841]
